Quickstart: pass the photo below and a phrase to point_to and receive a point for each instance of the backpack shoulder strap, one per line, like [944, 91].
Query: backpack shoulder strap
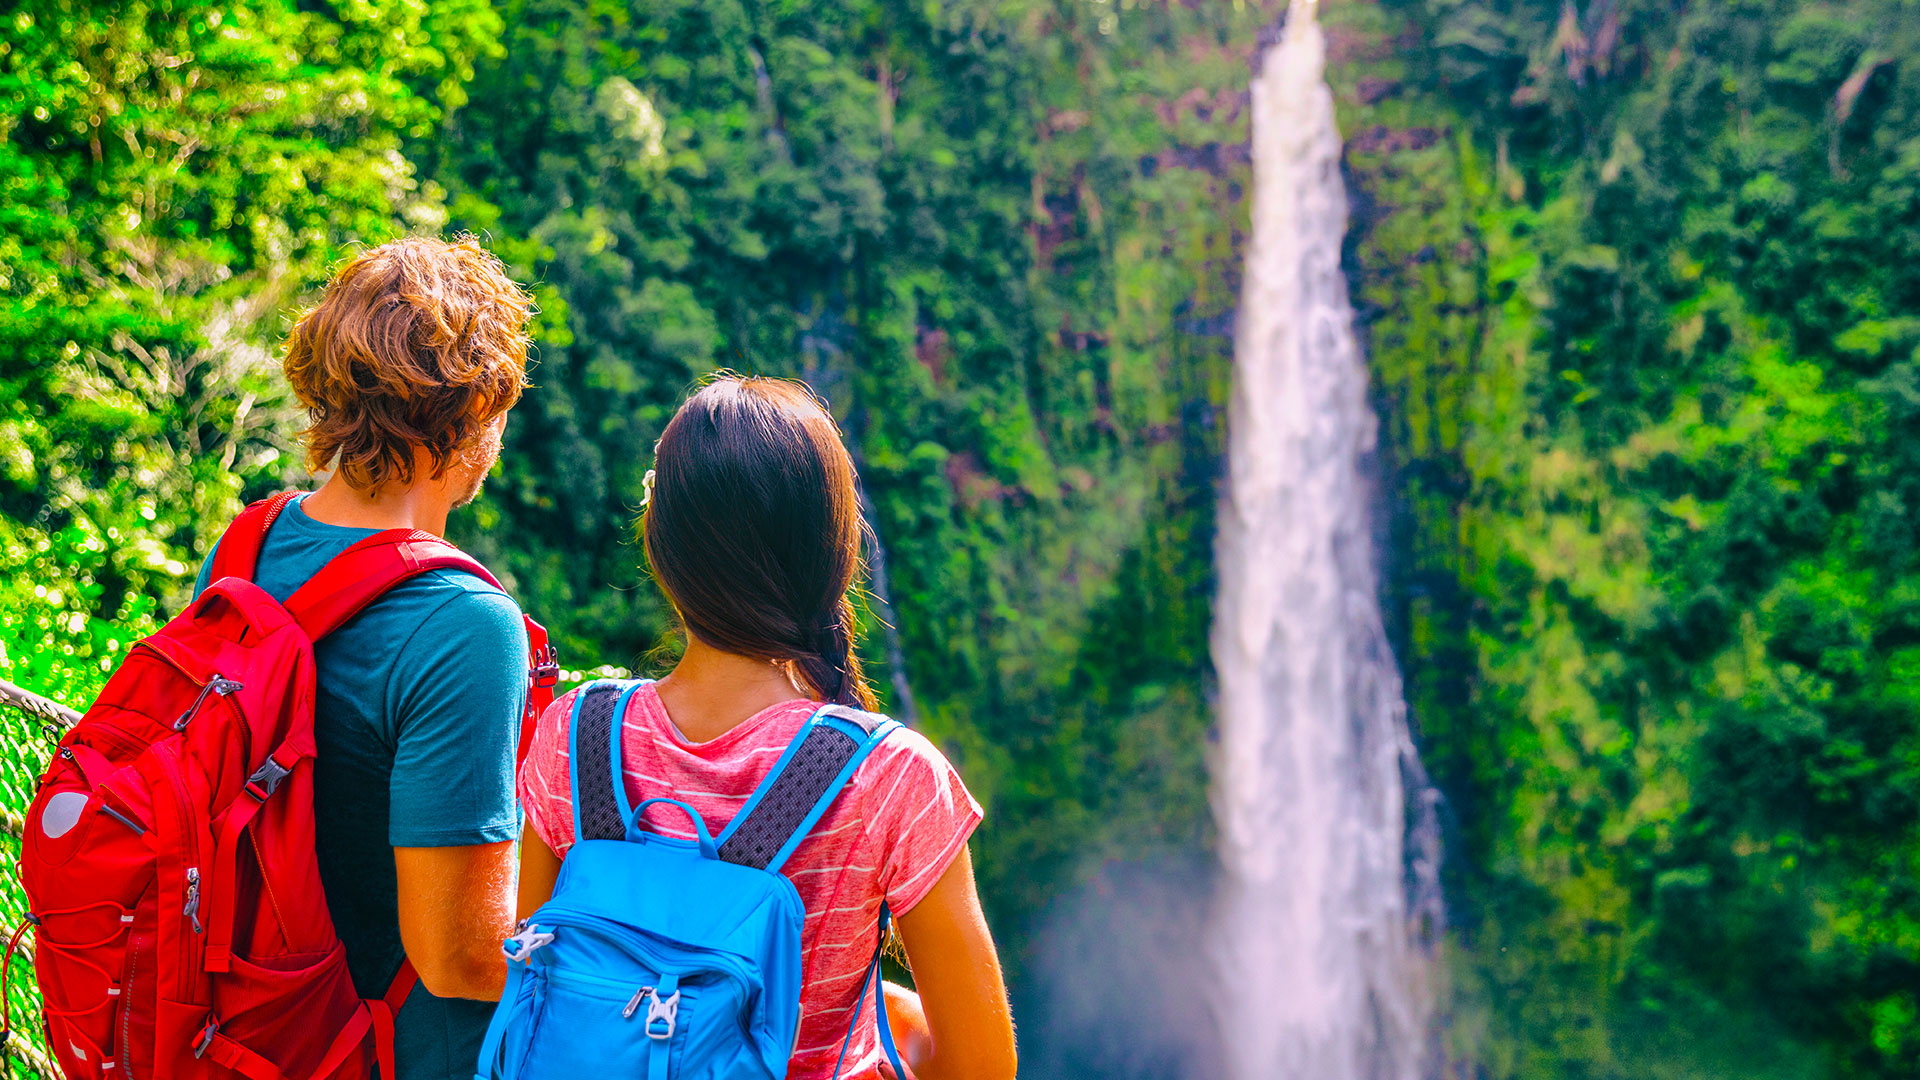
[872, 983]
[239, 549]
[801, 785]
[359, 575]
[362, 573]
[600, 808]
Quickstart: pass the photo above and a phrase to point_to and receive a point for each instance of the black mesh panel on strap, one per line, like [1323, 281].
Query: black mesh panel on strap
[794, 792]
[593, 765]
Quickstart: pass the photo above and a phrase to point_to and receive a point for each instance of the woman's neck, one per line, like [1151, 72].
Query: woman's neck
[710, 692]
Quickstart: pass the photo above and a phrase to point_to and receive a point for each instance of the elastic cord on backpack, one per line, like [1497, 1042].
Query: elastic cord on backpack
[6, 965]
[74, 951]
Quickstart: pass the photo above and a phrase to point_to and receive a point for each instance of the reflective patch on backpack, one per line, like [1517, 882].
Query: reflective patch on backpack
[62, 813]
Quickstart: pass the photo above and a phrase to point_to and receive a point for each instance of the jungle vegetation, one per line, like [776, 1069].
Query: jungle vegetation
[1640, 282]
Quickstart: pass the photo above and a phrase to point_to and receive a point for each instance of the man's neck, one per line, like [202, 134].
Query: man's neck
[422, 506]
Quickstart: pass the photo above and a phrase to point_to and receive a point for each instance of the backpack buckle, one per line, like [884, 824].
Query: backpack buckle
[520, 947]
[206, 1038]
[546, 667]
[266, 779]
[667, 1010]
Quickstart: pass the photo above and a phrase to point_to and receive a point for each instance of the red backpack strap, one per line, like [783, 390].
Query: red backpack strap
[543, 672]
[362, 573]
[377, 564]
[384, 1009]
[359, 575]
[239, 548]
[402, 985]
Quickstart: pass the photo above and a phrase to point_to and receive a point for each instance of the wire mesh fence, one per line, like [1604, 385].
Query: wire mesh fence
[29, 728]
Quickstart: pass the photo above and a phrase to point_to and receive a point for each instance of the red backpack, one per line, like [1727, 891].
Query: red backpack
[169, 851]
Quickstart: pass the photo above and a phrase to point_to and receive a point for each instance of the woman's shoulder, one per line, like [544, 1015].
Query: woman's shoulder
[905, 747]
[918, 814]
[560, 709]
[553, 731]
[907, 769]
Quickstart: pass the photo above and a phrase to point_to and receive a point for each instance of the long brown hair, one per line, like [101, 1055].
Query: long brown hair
[753, 530]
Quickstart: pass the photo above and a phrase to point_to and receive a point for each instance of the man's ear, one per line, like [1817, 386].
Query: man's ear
[482, 409]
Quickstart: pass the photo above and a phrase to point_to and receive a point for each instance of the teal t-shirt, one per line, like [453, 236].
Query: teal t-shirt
[416, 720]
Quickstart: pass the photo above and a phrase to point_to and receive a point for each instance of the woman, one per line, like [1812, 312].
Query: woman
[752, 528]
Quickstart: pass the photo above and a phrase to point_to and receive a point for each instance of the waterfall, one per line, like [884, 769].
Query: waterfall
[1318, 937]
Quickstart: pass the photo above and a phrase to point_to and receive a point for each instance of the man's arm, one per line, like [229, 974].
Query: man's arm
[457, 695]
[456, 905]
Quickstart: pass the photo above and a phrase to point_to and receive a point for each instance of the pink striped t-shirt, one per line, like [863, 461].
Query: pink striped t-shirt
[892, 832]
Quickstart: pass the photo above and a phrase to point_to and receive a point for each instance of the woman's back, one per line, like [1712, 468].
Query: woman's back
[889, 836]
[751, 524]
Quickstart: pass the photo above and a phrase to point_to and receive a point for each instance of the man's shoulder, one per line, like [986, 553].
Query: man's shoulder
[455, 634]
[458, 586]
[441, 618]
[460, 603]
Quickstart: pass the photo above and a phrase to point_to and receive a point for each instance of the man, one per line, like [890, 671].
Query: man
[408, 368]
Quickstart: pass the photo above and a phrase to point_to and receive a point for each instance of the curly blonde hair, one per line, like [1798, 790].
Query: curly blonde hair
[417, 343]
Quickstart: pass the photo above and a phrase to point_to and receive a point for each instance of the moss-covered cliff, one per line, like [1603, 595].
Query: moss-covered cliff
[1636, 281]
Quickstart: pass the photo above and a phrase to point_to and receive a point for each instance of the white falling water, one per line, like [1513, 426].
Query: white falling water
[1321, 970]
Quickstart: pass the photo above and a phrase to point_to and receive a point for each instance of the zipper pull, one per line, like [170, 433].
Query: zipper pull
[192, 910]
[216, 685]
[633, 1005]
[185, 717]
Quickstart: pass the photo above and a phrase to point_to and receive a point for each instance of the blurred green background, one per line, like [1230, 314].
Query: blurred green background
[1639, 281]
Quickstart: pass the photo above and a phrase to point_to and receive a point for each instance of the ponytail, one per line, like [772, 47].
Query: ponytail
[830, 666]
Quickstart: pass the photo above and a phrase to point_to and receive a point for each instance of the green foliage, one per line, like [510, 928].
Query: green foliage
[173, 175]
[1653, 423]
[911, 207]
[1635, 280]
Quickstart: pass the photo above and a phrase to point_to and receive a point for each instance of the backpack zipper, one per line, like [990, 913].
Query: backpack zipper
[192, 946]
[217, 685]
[633, 1003]
[599, 987]
[581, 980]
[192, 910]
[642, 944]
[125, 1005]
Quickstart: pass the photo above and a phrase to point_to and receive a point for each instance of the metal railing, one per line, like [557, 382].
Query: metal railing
[45, 708]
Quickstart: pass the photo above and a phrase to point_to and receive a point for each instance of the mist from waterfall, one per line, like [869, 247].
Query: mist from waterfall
[1326, 898]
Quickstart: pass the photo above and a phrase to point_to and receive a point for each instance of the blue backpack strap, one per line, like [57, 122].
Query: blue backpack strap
[801, 785]
[873, 981]
[488, 1067]
[600, 810]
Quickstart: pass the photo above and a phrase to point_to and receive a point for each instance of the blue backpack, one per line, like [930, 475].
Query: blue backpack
[674, 959]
